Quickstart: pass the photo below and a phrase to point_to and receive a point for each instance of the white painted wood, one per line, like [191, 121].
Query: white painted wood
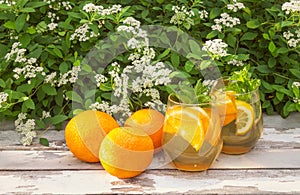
[151, 182]
[64, 160]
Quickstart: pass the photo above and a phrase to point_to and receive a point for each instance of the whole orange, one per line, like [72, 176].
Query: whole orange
[149, 120]
[126, 152]
[85, 132]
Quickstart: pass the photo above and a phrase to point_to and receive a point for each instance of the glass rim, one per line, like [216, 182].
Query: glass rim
[172, 96]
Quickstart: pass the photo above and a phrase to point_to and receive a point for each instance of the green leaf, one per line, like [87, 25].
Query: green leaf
[24, 40]
[72, 95]
[44, 141]
[58, 119]
[63, 67]
[2, 83]
[295, 72]
[212, 34]
[29, 104]
[272, 62]
[27, 10]
[248, 36]
[189, 66]
[9, 25]
[272, 47]
[175, 59]
[231, 40]
[282, 90]
[195, 47]
[20, 21]
[253, 24]
[215, 12]
[57, 52]
[48, 89]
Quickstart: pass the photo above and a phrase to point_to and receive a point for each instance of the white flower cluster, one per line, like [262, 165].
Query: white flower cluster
[8, 2]
[217, 48]
[182, 15]
[235, 6]
[29, 70]
[25, 128]
[296, 84]
[53, 4]
[140, 77]
[90, 7]
[83, 33]
[291, 7]
[69, 77]
[45, 114]
[236, 62]
[225, 20]
[19, 53]
[203, 14]
[293, 39]
[3, 98]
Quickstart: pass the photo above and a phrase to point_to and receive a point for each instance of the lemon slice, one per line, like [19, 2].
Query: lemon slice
[245, 117]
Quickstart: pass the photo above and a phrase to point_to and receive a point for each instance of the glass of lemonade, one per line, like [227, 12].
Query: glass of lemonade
[191, 134]
[241, 117]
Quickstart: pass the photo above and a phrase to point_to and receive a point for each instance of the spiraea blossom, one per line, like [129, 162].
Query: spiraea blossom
[26, 127]
[182, 15]
[217, 48]
[3, 98]
[236, 62]
[139, 78]
[292, 38]
[225, 21]
[297, 86]
[69, 77]
[235, 6]
[291, 6]
[83, 33]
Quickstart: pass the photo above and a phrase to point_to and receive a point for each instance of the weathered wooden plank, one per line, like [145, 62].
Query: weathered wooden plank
[272, 137]
[152, 181]
[64, 160]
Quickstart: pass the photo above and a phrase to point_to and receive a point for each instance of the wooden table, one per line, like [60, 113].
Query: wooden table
[272, 167]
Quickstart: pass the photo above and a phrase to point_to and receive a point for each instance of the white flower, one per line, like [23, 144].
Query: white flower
[132, 22]
[52, 26]
[216, 47]
[90, 7]
[83, 33]
[69, 77]
[296, 84]
[293, 42]
[290, 7]
[288, 34]
[225, 20]
[50, 78]
[100, 79]
[45, 114]
[3, 98]
[182, 15]
[25, 128]
[235, 6]
[203, 14]
[236, 62]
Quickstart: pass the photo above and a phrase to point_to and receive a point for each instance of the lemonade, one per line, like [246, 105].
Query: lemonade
[242, 133]
[191, 135]
[238, 104]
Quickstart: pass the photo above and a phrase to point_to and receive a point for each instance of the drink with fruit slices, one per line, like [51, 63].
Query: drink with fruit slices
[191, 135]
[241, 115]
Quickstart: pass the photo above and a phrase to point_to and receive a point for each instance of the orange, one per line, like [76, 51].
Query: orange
[126, 152]
[149, 120]
[85, 131]
[226, 107]
[191, 123]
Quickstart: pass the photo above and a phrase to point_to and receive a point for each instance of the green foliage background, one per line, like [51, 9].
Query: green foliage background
[257, 40]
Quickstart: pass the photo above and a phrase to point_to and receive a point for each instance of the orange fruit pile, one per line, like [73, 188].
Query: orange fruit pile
[124, 152]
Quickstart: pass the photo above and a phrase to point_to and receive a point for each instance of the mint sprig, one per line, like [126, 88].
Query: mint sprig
[189, 94]
[242, 81]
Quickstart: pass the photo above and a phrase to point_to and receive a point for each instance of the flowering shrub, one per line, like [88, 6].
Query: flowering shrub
[43, 45]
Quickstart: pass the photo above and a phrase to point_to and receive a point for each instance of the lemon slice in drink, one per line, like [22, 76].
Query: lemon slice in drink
[245, 117]
[186, 122]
